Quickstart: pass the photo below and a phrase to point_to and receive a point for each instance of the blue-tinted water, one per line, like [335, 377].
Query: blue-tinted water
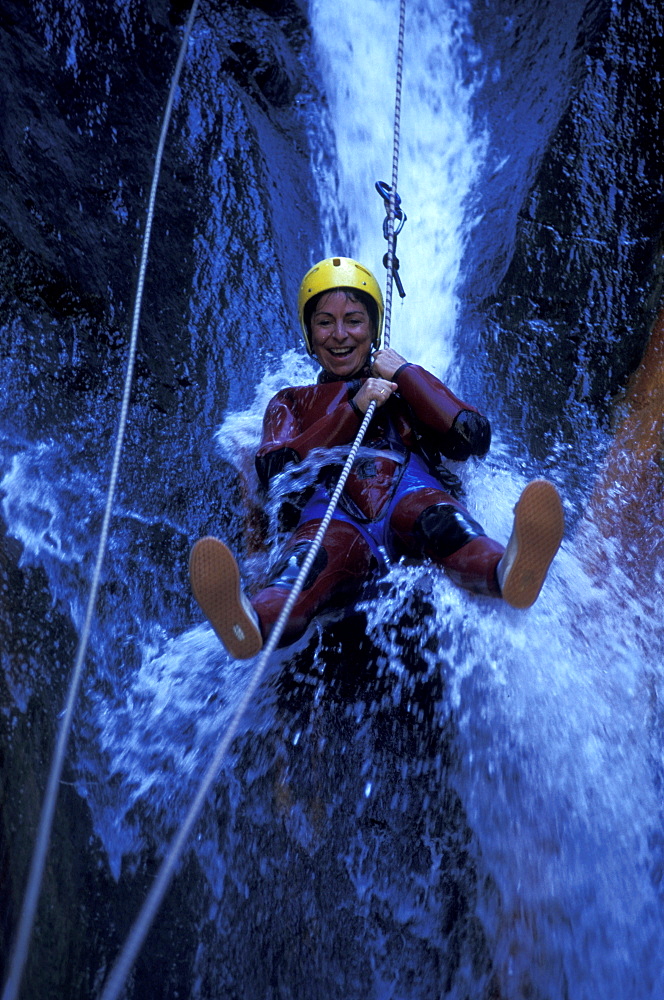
[457, 799]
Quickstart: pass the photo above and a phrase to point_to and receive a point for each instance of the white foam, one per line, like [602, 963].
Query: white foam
[441, 151]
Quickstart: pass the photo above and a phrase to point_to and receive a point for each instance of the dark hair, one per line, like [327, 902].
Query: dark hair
[355, 295]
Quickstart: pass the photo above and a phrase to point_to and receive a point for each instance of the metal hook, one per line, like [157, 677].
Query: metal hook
[384, 190]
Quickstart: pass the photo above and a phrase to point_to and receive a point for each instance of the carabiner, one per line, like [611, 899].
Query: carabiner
[395, 274]
[384, 190]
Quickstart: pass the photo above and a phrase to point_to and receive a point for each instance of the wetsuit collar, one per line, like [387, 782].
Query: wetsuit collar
[326, 376]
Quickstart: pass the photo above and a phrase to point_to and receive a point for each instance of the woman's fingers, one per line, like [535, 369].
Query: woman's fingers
[374, 390]
[386, 362]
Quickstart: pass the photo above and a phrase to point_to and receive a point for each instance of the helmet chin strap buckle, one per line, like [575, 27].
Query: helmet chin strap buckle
[398, 220]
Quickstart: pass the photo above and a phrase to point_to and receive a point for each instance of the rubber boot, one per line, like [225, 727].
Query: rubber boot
[538, 529]
[215, 581]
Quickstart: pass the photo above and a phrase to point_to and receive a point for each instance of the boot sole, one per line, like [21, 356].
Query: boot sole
[215, 582]
[539, 524]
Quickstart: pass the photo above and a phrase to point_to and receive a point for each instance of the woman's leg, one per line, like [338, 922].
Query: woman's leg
[430, 523]
[342, 564]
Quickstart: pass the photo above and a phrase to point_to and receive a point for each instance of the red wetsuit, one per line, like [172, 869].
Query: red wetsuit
[396, 485]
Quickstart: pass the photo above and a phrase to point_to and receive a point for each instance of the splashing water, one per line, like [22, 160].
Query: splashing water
[544, 722]
[440, 152]
[555, 770]
[554, 765]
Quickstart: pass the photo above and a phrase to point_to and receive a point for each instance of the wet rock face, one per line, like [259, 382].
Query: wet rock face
[83, 89]
[73, 85]
[84, 93]
[592, 217]
[533, 64]
[81, 86]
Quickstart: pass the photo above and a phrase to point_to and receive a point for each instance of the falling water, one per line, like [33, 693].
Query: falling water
[553, 725]
[475, 811]
[543, 713]
[440, 152]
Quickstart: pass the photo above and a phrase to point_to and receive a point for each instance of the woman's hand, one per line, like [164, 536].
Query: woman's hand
[377, 390]
[386, 362]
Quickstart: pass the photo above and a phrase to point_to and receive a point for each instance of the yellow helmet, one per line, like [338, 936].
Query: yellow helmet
[338, 272]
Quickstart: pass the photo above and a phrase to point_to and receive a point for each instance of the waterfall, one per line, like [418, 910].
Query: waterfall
[440, 153]
[434, 795]
[553, 708]
[550, 710]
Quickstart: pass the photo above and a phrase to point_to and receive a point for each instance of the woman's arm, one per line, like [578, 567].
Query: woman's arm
[461, 429]
[292, 426]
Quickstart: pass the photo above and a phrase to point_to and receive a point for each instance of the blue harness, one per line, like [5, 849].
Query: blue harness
[377, 534]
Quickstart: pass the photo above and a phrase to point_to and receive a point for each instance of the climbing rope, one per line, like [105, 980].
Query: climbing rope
[391, 235]
[143, 922]
[31, 897]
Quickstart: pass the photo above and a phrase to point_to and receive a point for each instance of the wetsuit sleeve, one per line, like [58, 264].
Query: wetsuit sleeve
[460, 428]
[285, 441]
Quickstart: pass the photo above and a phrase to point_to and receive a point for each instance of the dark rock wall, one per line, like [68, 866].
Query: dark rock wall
[572, 310]
[82, 90]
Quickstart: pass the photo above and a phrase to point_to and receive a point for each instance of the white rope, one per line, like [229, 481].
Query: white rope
[149, 909]
[31, 897]
[391, 239]
[143, 922]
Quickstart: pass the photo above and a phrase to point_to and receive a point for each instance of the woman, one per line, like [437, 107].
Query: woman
[399, 499]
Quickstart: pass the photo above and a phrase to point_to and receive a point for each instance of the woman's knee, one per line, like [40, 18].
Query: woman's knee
[444, 528]
[341, 565]
[432, 523]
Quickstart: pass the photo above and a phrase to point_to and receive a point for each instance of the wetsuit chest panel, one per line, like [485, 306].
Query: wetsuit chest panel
[370, 485]
[311, 402]
[375, 475]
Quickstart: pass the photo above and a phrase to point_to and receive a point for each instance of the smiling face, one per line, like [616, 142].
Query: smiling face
[341, 333]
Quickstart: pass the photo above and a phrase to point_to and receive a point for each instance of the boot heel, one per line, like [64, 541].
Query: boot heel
[539, 524]
[215, 582]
